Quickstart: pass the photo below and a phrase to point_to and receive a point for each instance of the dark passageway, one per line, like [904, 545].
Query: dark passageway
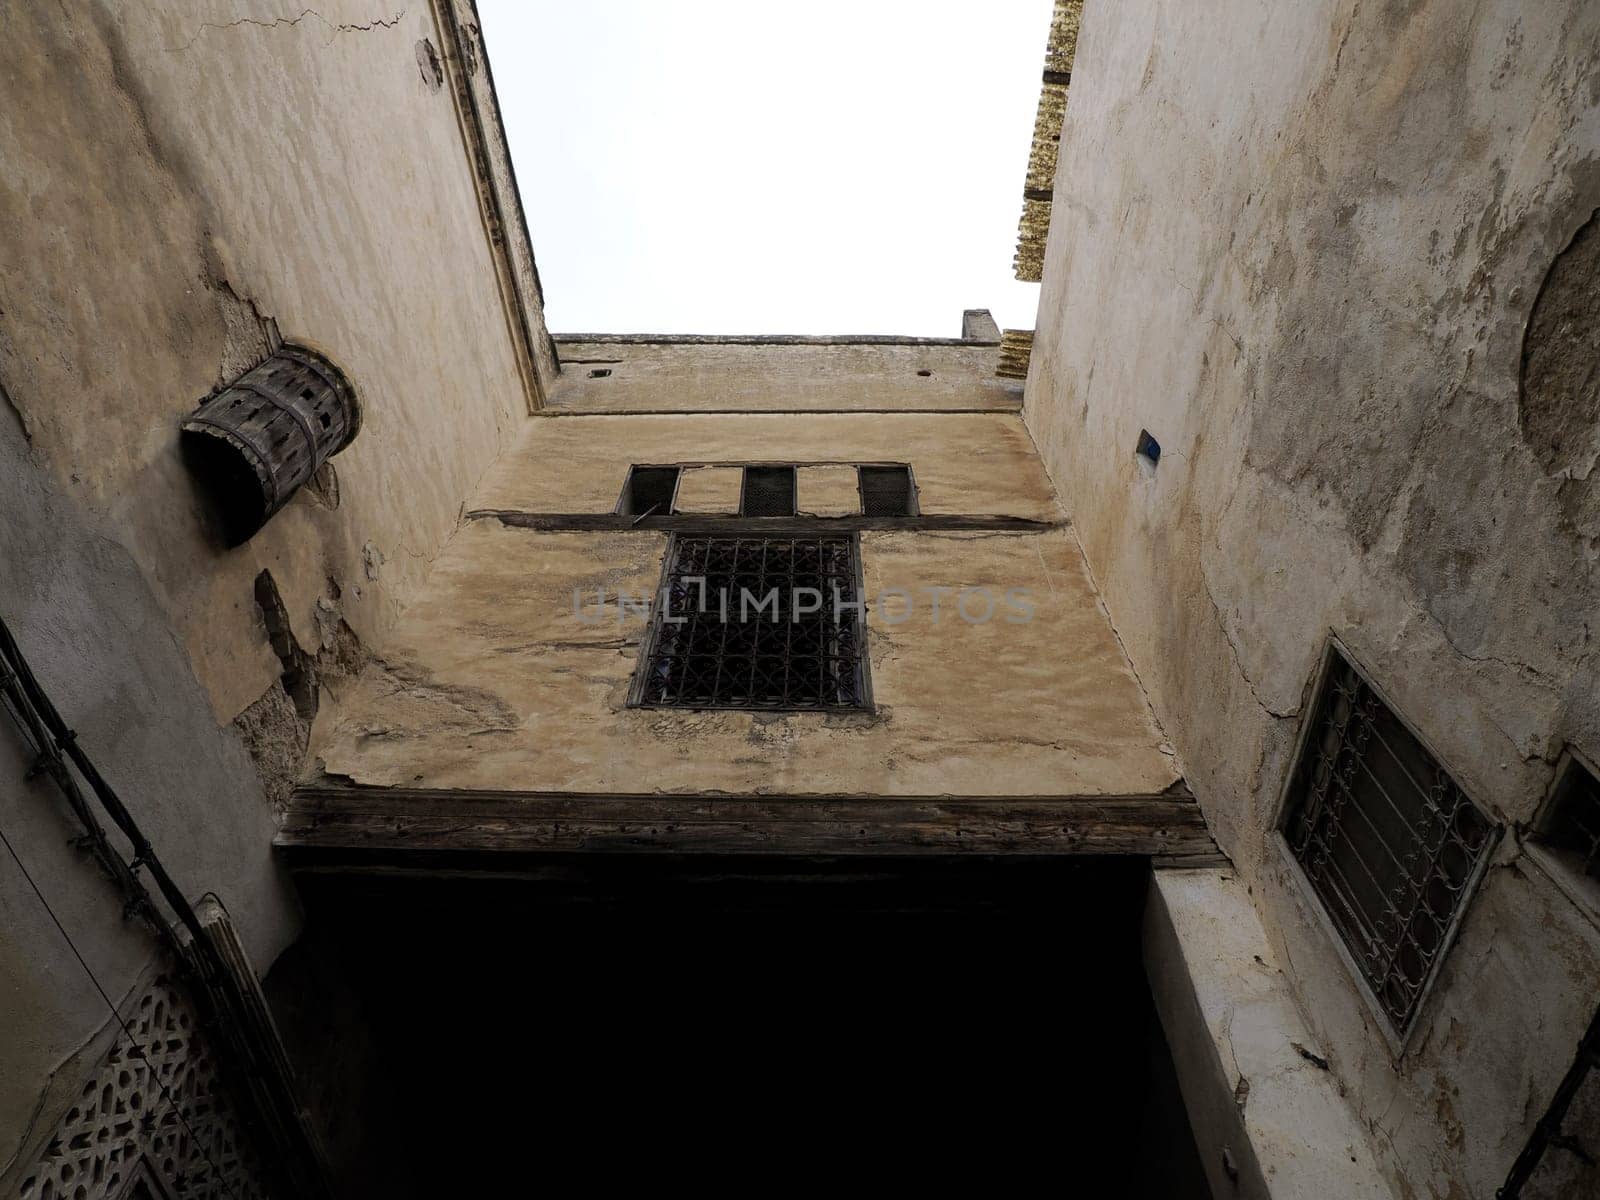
[755, 1022]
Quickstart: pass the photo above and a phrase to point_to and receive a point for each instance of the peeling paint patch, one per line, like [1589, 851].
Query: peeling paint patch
[22, 417]
[429, 66]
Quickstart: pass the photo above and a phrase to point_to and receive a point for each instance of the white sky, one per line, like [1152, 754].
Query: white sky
[749, 166]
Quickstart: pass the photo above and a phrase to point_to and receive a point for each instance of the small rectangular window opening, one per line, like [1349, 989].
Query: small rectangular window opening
[768, 492]
[887, 492]
[1570, 825]
[1148, 448]
[1387, 839]
[649, 491]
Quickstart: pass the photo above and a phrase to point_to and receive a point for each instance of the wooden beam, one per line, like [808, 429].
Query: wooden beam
[410, 827]
[760, 526]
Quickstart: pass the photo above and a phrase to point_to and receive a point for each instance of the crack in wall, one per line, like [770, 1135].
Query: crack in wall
[1530, 674]
[1238, 662]
[1534, 675]
[334, 28]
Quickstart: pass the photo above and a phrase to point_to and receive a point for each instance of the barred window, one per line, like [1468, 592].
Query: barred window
[769, 489]
[1388, 840]
[771, 623]
[887, 491]
[768, 492]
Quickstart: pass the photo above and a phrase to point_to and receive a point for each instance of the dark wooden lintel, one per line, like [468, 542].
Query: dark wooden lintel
[404, 827]
[757, 526]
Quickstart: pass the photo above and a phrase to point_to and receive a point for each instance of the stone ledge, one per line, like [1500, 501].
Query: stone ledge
[1263, 1102]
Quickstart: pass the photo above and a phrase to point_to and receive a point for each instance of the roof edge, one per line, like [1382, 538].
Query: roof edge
[763, 339]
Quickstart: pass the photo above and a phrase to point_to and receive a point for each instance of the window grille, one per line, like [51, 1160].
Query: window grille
[649, 492]
[1388, 840]
[769, 489]
[1571, 823]
[887, 492]
[768, 492]
[770, 623]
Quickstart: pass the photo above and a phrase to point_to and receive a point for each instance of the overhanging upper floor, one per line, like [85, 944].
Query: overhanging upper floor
[507, 714]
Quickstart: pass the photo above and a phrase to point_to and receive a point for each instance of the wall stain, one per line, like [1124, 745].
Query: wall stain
[1558, 407]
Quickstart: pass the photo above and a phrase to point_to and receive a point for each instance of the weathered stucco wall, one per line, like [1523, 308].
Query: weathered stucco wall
[965, 463]
[177, 173]
[492, 682]
[102, 646]
[752, 375]
[176, 176]
[1267, 1112]
[1302, 245]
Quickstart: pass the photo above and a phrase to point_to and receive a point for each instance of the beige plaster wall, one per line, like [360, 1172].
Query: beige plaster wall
[1300, 244]
[492, 680]
[829, 491]
[964, 463]
[713, 374]
[177, 173]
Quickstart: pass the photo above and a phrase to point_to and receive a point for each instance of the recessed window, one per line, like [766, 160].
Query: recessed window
[771, 490]
[648, 492]
[600, 373]
[1388, 840]
[1570, 825]
[765, 623]
[768, 492]
[887, 492]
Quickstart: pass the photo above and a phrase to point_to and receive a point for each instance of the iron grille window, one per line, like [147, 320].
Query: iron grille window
[1571, 824]
[649, 492]
[757, 623]
[1389, 842]
[768, 492]
[887, 492]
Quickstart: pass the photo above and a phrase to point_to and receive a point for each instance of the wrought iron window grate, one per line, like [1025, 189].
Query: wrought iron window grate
[1389, 841]
[757, 623]
[887, 492]
[768, 492]
[1571, 824]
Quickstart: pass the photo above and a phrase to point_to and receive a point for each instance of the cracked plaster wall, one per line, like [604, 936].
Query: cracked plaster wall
[176, 176]
[103, 647]
[493, 681]
[1301, 244]
[179, 173]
